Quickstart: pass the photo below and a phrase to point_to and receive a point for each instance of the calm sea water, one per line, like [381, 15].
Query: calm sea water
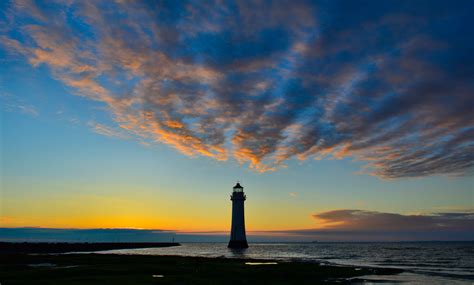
[423, 262]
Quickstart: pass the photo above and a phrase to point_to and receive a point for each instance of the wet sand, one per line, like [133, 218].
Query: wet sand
[140, 269]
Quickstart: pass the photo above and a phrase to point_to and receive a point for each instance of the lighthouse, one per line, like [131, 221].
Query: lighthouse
[237, 232]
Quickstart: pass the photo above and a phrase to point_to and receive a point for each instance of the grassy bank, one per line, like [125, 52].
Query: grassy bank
[138, 269]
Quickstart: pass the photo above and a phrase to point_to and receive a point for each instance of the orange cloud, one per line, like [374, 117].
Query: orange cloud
[261, 104]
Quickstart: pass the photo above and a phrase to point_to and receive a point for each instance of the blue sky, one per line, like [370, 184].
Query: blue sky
[143, 115]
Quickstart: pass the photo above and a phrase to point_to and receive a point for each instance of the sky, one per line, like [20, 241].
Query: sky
[343, 120]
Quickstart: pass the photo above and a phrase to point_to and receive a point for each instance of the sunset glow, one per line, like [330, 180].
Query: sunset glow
[144, 114]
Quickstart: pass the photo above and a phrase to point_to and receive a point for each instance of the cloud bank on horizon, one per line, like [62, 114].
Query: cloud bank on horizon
[389, 83]
[362, 225]
[336, 225]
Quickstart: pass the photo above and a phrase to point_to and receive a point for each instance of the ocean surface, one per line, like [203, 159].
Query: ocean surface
[423, 262]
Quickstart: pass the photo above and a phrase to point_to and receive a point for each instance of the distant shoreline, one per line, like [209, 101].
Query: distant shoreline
[64, 247]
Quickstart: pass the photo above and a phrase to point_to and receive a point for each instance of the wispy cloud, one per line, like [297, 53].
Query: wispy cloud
[107, 131]
[13, 103]
[28, 109]
[391, 85]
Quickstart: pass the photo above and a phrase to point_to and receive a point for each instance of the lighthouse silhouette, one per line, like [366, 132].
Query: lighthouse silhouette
[237, 232]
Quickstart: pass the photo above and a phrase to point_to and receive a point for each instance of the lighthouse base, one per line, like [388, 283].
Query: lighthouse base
[238, 244]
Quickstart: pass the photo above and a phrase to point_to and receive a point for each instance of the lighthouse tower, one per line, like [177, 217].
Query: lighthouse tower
[237, 232]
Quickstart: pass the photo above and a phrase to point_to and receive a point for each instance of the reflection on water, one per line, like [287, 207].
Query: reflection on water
[427, 263]
[157, 276]
[237, 251]
[407, 278]
[261, 263]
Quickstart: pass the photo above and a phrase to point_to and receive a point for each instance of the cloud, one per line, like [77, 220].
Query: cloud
[13, 103]
[361, 225]
[266, 82]
[360, 220]
[106, 130]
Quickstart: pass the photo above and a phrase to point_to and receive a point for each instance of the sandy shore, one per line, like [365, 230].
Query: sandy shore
[139, 269]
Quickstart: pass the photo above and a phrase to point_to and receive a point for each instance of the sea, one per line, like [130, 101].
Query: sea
[422, 262]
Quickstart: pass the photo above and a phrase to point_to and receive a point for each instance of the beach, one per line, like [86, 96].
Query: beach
[91, 268]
